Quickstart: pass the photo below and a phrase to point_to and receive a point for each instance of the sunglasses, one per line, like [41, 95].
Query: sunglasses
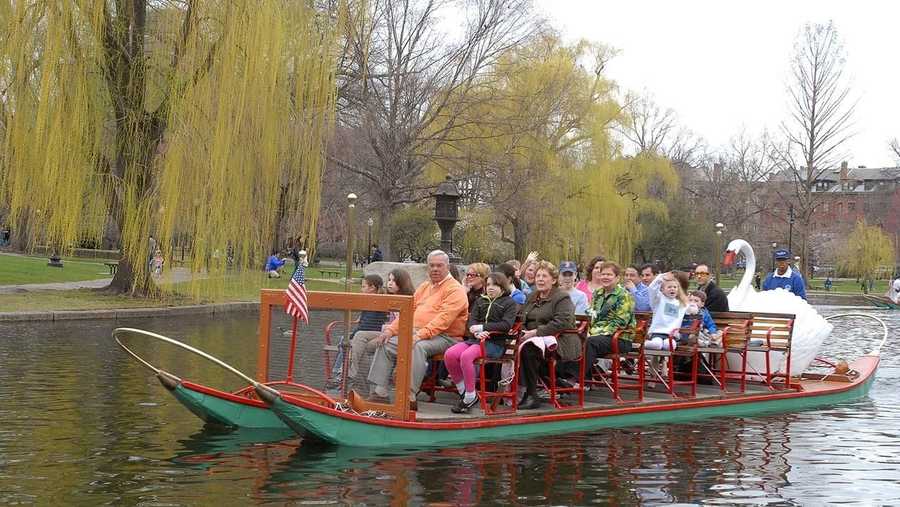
[471, 275]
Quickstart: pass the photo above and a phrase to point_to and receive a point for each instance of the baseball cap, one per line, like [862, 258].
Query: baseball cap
[568, 267]
[782, 254]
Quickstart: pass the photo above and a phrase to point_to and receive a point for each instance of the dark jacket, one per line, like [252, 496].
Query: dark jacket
[371, 321]
[550, 316]
[716, 301]
[474, 295]
[496, 315]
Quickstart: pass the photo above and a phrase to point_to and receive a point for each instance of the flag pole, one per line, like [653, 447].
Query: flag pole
[290, 368]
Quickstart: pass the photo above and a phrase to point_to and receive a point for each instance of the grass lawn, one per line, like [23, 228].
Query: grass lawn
[846, 285]
[230, 289]
[16, 270]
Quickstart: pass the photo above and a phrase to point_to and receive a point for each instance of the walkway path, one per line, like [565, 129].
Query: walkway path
[175, 275]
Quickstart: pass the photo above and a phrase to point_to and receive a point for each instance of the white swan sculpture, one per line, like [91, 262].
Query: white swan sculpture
[810, 329]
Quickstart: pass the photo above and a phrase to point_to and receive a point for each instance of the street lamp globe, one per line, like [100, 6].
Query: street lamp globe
[351, 199]
[371, 222]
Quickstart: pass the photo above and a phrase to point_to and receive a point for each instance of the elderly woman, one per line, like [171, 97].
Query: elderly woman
[590, 283]
[547, 311]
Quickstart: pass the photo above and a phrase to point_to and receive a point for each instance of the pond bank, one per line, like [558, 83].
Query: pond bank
[129, 313]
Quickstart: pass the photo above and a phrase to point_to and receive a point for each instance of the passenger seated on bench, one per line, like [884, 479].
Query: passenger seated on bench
[612, 309]
[669, 303]
[369, 327]
[695, 310]
[493, 312]
[547, 312]
[439, 321]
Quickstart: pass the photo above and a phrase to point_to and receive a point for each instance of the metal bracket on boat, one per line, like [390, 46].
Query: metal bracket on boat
[267, 394]
[168, 380]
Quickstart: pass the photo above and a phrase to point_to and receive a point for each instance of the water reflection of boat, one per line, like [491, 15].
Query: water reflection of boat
[212, 447]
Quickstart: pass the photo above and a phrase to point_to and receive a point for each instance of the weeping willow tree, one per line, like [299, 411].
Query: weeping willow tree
[196, 118]
[868, 251]
[537, 151]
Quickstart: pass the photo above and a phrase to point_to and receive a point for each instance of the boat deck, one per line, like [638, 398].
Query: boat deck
[594, 399]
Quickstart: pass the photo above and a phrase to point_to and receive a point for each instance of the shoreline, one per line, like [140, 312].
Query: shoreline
[129, 313]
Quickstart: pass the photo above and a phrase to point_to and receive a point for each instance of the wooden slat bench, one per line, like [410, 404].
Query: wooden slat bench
[772, 333]
[736, 328]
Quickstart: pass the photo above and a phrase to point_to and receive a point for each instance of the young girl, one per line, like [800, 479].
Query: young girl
[494, 312]
[669, 303]
[158, 263]
[370, 325]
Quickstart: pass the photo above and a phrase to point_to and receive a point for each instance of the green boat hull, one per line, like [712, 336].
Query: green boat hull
[339, 429]
[219, 411]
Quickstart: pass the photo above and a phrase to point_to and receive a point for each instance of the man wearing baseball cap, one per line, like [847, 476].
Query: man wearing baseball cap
[567, 272]
[785, 277]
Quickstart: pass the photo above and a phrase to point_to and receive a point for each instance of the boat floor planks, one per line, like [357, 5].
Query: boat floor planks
[594, 399]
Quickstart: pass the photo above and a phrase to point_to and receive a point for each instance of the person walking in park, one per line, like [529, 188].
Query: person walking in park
[784, 277]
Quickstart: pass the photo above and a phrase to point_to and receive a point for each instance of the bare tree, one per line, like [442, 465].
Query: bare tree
[818, 126]
[895, 148]
[406, 84]
[652, 129]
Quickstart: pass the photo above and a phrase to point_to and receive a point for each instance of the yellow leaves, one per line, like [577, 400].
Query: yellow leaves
[868, 248]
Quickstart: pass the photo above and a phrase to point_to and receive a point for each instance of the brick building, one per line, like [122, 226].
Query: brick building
[845, 196]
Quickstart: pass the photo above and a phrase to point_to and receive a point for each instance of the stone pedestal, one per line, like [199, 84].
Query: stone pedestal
[418, 272]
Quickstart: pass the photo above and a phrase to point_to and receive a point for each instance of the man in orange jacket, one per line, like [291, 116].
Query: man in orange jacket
[439, 321]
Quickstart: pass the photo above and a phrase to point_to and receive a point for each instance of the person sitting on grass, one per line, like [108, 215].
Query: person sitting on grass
[491, 318]
[274, 264]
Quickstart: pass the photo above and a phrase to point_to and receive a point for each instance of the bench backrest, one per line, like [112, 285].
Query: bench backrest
[781, 326]
[736, 327]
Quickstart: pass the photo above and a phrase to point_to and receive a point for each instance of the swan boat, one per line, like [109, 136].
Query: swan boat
[355, 422]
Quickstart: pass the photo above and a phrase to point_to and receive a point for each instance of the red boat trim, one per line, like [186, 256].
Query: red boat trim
[223, 395]
[866, 365]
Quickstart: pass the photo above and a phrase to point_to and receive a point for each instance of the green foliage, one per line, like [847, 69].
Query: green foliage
[683, 236]
[537, 151]
[172, 118]
[414, 233]
[868, 252]
[477, 241]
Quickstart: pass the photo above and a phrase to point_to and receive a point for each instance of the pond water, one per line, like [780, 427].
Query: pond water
[83, 423]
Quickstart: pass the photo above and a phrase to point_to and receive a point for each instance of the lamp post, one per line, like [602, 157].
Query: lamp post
[446, 213]
[790, 227]
[370, 222]
[351, 207]
[774, 247]
[720, 227]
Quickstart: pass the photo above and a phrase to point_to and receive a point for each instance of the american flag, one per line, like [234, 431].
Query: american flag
[296, 296]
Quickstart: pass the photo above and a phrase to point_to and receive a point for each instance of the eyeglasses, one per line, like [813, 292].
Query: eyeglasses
[701, 273]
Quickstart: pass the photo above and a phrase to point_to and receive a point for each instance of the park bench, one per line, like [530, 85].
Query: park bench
[112, 266]
[330, 273]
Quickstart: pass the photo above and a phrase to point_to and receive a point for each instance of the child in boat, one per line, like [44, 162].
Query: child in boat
[492, 316]
[369, 326]
[696, 310]
[669, 303]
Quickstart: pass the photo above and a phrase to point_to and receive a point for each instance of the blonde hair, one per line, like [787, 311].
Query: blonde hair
[682, 295]
[481, 268]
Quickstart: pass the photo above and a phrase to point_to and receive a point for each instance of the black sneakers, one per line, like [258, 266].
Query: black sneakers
[462, 407]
